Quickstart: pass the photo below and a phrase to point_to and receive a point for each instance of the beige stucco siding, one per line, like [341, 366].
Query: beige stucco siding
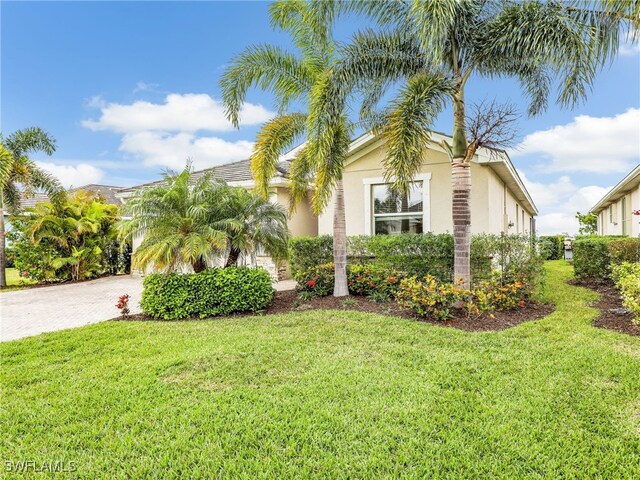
[618, 219]
[487, 196]
[303, 222]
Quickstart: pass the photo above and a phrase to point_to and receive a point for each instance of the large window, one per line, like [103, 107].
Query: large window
[393, 213]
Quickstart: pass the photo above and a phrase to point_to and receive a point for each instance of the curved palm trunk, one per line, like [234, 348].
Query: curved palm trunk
[199, 265]
[340, 287]
[3, 274]
[461, 197]
[232, 259]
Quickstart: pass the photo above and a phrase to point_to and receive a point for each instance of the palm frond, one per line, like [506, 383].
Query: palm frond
[407, 126]
[275, 137]
[268, 67]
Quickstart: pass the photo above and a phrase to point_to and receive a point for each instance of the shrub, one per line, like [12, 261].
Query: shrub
[593, 257]
[627, 278]
[421, 254]
[209, 293]
[624, 250]
[429, 298]
[363, 280]
[374, 279]
[316, 280]
[307, 252]
[495, 295]
[551, 247]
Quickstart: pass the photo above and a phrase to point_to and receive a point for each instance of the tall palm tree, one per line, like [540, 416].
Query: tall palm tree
[18, 172]
[438, 46]
[253, 224]
[297, 79]
[175, 222]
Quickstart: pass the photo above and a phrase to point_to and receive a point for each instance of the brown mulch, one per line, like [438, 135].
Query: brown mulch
[613, 316]
[288, 301]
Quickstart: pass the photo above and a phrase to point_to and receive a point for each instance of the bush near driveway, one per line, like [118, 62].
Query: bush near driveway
[213, 292]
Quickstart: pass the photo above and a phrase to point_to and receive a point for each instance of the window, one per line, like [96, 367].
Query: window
[393, 213]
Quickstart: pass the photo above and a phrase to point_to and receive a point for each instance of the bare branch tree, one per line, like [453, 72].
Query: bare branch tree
[491, 125]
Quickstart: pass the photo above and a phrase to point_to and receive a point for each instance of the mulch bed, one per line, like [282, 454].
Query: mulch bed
[288, 301]
[613, 316]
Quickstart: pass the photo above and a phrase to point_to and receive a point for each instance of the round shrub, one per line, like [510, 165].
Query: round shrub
[213, 292]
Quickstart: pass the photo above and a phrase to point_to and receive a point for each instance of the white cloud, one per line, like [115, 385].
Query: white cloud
[559, 201]
[588, 144]
[172, 150]
[144, 86]
[73, 175]
[167, 134]
[179, 113]
[629, 49]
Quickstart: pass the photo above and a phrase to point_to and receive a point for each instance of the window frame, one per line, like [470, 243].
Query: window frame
[369, 216]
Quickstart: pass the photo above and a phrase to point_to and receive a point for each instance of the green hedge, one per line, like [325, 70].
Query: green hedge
[415, 254]
[551, 247]
[594, 256]
[217, 291]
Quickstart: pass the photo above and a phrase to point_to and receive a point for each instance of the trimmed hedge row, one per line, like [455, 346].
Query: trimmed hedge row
[415, 254]
[594, 256]
[217, 291]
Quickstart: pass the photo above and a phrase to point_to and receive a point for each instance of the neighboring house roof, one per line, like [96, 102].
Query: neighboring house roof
[29, 201]
[239, 173]
[234, 173]
[107, 191]
[630, 182]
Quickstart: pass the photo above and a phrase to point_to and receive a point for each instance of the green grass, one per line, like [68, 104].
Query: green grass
[329, 394]
[15, 281]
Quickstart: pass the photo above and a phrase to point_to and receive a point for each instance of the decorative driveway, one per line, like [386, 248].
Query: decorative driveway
[32, 311]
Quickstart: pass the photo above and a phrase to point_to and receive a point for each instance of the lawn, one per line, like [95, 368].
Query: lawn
[329, 394]
[14, 280]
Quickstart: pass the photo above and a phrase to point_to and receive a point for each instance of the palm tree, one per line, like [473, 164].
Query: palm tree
[79, 228]
[18, 171]
[438, 47]
[176, 223]
[253, 224]
[297, 79]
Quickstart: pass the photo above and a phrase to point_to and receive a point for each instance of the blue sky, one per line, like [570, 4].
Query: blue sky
[130, 88]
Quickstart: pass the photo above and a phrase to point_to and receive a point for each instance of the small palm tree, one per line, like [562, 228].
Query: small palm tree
[17, 172]
[79, 228]
[177, 222]
[438, 47]
[297, 79]
[253, 224]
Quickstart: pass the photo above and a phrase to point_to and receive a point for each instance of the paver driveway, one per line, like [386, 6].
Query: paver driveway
[28, 312]
[35, 310]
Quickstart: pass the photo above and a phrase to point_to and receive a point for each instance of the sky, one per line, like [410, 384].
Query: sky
[129, 89]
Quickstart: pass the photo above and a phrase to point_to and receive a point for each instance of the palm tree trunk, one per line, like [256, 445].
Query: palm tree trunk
[199, 265]
[3, 273]
[340, 287]
[461, 196]
[232, 259]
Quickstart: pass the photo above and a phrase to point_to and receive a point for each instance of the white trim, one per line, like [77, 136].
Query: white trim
[425, 178]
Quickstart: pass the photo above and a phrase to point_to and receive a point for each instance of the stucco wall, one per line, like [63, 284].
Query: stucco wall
[610, 220]
[303, 222]
[487, 195]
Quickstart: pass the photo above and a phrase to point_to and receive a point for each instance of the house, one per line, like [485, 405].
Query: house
[499, 200]
[108, 192]
[615, 209]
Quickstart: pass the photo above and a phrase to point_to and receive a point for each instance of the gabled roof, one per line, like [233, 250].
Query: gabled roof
[107, 191]
[631, 181]
[233, 173]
